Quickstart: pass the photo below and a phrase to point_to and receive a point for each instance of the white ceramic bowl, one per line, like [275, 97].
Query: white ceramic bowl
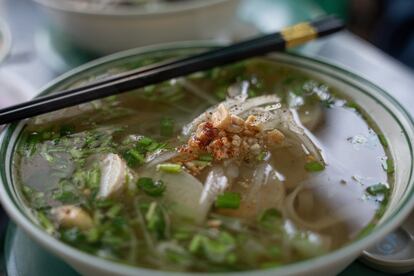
[5, 40]
[391, 118]
[110, 30]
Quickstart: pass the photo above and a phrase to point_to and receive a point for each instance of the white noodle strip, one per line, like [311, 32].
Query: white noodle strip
[216, 183]
[316, 225]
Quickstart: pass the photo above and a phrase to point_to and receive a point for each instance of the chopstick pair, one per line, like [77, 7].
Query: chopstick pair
[289, 37]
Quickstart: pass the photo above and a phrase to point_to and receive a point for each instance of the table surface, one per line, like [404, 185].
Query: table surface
[27, 61]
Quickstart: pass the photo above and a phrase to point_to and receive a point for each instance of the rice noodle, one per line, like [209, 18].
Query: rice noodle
[195, 90]
[160, 157]
[235, 107]
[315, 225]
[215, 184]
[268, 111]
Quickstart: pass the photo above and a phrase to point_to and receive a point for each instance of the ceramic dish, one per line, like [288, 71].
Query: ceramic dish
[109, 30]
[394, 123]
[5, 40]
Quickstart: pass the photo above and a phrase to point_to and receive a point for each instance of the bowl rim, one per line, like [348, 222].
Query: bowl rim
[163, 10]
[6, 39]
[85, 259]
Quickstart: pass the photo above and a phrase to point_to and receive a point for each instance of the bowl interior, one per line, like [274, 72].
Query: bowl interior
[159, 8]
[387, 114]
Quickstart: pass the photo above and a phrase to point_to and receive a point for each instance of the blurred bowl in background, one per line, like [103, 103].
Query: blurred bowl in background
[109, 30]
[5, 40]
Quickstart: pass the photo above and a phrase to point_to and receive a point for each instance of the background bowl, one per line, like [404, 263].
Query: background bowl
[110, 30]
[392, 120]
[5, 40]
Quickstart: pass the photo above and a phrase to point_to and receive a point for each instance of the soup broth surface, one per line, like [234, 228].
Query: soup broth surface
[285, 169]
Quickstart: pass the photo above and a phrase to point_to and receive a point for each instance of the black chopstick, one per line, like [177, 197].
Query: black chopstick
[288, 37]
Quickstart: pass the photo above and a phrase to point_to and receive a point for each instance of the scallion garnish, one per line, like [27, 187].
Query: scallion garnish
[207, 157]
[383, 140]
[270, 218]
[377, 189]
[228, 200]
[134, 157]
[314, 166]
[388, 166]
[155, 220]
[169, 168]
[261, 156]
[167, 127]
[151, 187]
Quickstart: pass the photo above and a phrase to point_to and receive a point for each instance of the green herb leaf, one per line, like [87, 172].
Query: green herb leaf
[114, 211]
[151, 187]
[378, 189]
[388, 166]
[45, 222]
[365, 231]
[270, 218]
[169, 168]
[134, 158]
[167, 127]
[261, 156]
[155, 220]
[383, 140]
[207, 157]
[314, 166]
[66, 130]
[217, 249]
[353, 105]
[228, 200]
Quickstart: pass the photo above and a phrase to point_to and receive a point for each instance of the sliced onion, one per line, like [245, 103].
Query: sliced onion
[235, 107]
[183, 192]
[113, 175]
[216, 183]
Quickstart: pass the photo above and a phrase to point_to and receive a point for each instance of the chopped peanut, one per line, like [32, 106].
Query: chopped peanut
[275, 137]
[221, 117]
[252, 124]
[225, 135]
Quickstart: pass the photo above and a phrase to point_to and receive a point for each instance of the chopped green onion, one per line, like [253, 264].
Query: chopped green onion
[134, 158]
[365, 231]
[270, 265]
[270, 218]
[93, 235]
[205, 157]
[377, 189]
[228, 200]
[45, 222]
[217, 250]
[114, 211]
[196, 243]
[104, 203]
[389, 166]
[167, 127]
[261, 156]
[93, 178]
[169, 168]
[155, 146]
[353, 106]
[151, 187]
[314, 166]
[383, 140]
[66, 130]
[221, 93]
[182, 234]
[155, 220]
[145, 141]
